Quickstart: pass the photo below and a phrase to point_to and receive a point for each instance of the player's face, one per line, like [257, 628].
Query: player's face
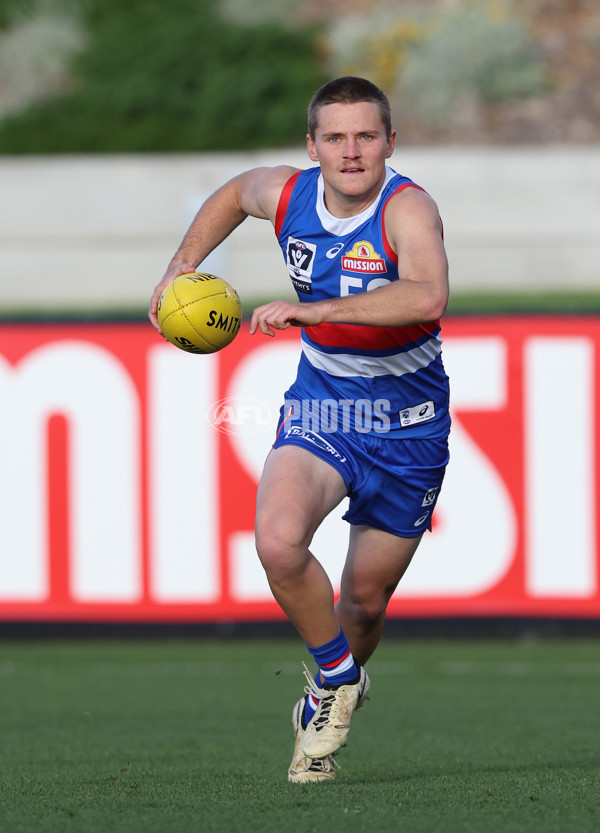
[351, 146]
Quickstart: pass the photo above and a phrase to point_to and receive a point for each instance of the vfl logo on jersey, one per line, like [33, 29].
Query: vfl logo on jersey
[362, 257]
[300, 257]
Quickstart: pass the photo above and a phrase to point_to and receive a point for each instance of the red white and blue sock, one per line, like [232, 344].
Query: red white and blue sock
[336, 667]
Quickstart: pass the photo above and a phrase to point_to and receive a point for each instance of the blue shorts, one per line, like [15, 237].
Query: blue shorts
[393, 484]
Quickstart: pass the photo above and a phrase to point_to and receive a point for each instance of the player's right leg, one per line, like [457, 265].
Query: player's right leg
[296, 492]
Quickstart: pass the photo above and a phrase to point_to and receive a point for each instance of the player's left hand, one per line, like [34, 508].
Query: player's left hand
[279, 315]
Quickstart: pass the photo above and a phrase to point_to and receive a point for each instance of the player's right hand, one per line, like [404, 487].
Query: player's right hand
[174, 270]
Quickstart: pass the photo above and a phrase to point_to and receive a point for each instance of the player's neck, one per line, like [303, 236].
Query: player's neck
[349, 205]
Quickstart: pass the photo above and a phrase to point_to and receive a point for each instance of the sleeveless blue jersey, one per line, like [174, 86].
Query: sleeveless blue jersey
[385, 380]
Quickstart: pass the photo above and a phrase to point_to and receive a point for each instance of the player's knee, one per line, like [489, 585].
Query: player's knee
[364, 607]
[280, 544]
[369, 611]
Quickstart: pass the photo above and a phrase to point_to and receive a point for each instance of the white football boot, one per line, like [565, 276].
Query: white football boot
[303, 769]
[328, 730]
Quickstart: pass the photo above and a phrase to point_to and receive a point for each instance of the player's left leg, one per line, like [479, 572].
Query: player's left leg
[388, 516]
[398, 485]
[376, 562]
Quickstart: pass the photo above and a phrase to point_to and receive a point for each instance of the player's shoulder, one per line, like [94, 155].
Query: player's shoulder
[265, 188]
[275, 178]
[411, 214]
[410, 200]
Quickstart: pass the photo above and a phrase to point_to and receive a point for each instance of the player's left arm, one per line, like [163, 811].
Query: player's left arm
[420, 294]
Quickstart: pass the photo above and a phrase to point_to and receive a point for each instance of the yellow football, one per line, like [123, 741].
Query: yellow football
[199, 313]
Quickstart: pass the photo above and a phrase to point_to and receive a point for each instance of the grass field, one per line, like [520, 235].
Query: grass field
[195, 735]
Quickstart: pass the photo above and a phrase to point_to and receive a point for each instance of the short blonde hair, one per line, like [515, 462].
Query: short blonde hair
[349, 89]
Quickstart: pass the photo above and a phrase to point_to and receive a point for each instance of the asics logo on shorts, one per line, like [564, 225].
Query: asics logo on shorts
[422, 519]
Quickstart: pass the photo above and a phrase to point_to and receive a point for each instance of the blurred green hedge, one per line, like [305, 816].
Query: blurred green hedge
[175, 76]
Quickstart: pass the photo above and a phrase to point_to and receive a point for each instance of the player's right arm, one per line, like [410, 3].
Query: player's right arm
[254, 193]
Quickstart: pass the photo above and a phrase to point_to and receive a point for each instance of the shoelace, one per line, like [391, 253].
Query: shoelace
[322, 719]
[312, 687]
[322, 764]
[326, 702]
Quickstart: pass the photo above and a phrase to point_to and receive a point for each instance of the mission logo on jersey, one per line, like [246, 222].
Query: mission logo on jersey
[362, 257]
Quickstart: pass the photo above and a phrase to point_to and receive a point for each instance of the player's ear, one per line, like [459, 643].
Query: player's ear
[310, 146]
[391, 144]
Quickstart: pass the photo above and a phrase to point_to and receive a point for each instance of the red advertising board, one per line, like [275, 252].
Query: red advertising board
[129, 472]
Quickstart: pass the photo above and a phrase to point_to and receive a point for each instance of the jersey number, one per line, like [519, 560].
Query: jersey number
[351, 286]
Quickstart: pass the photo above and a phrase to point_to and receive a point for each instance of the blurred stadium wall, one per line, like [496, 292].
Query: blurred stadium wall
[86, 233]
